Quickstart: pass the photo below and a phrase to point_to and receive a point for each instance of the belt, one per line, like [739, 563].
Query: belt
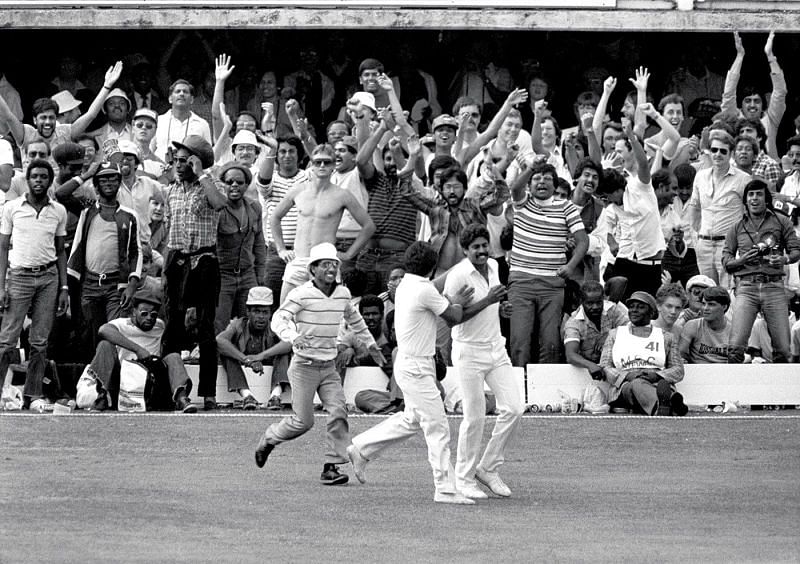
[384, 252]
[104, 277]
[761, 277]
[272, 247]
[35, 269]
[711, 237]
[647, 262]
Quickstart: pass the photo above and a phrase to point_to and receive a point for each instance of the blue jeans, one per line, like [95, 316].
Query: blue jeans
[37, 293]
[537, 302]
[307, 377]
[100, 303]
[378, 263]
[233, 296]
[770, 299]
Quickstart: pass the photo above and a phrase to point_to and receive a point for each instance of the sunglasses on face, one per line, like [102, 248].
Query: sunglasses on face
[322, 162]
[721, 150]
[232, 181]
[144, 125]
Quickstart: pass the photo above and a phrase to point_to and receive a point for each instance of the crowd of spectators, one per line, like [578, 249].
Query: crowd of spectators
[160, 215]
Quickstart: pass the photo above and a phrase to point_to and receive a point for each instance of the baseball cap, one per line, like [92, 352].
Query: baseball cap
[365, 99]
[445, 120]
[129, 148]
[350, 141]
[146, 113]
[65, 100]
[259, 296]
[68, 153]
[107, 169]
[700, 280]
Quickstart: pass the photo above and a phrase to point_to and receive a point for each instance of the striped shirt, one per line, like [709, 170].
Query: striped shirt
[395, 217]
[309, 312]
[541, 229]
[270, 195]
[192, 219]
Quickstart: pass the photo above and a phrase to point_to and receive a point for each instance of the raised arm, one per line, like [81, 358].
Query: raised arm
[670, 145]
[642, 170]
[364, 157]
[595, 150]
[602, 106]
[222, 71]
[517, 96]
[223, 142]
[728, 106]
[777, 101]
[12, 123]
[80, 124]
[640, 83]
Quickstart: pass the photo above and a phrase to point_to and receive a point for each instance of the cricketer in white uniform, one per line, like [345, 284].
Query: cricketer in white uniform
[417, 305]
[479, 355]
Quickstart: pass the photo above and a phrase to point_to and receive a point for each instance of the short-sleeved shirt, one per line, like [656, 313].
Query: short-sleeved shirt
[541, 229]
[590, 340]
[32, 234]
[706, 345]
[171, 129]
[149, 340]
[417, 305]
[484, 328]
[238, 332]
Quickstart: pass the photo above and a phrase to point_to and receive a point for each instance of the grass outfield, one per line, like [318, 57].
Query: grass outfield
[164, 488]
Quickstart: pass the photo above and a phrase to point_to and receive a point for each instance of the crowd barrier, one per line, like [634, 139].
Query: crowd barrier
[543, 384]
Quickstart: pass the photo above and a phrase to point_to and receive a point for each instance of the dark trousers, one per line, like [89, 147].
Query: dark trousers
[681, 269]
[275, 269]
[100, 303]
[641, 277]
[378, 263]
[188, 287]
[233, 291]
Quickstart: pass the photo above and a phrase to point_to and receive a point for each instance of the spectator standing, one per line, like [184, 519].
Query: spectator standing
[194, 201]
[33, 274]
[756, 250]
[179, 122]
[679, 260]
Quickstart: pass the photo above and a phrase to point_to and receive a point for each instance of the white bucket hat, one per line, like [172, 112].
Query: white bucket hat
[66, 101]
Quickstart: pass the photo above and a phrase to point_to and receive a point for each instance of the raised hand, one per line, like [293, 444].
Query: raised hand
[385, 82]
[642, 77]
[540, 110]
[463, 296]
[413, 144]
[737, 41]
[648, 110]
[768, 44]
[517, 96]
[112, 75]
[586, 121]
[222, 67]
[609, 84]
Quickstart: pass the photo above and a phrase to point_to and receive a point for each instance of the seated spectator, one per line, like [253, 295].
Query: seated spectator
[757, 248]
[159, 229]
[694, 292]
[248, 341]
[138, 338]
[586, 329]
[353, 352]
[671, 299]
[706, 340]
[642, 363]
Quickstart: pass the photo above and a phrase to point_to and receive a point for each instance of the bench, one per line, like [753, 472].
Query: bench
[702, 384]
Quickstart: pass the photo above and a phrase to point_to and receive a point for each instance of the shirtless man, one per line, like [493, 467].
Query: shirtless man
[320, 206]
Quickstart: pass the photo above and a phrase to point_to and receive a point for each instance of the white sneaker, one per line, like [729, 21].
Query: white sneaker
[492, 481]
[473, 492]
[41, 405]
[455, 498]
[358, 461]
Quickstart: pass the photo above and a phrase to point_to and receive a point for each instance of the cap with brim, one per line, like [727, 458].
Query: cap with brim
[66, 101]
[146, 113]
[143, 295]
[445, 120]
[700, 280]
[117, 93]
[129, 148]
[107, 169]
[646, 299]
[365, 99]
[244, 137]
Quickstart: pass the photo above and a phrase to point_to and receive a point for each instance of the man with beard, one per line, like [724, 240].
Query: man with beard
[320, 206]
[586, 330]
[191, 270]
[248, 341]
[240, 246]
[33, 274]
[394, 216]
[108, 279]
[117, 107]
[588, 178]
[346, 176]
[271, 190]
[715, 205]
[757, 248]
[706, 340]
[642, 363]
[138, 338]
[45, 112]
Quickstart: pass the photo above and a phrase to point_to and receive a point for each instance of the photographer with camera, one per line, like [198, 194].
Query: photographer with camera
[756, 250]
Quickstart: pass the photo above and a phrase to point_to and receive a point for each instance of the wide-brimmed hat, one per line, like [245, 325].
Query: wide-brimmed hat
[117, 93]
[244, 137]
[65, 100]
[199, 147]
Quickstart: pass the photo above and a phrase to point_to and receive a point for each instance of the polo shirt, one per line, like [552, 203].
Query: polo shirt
[417, 307]
[484, 327]
[32, 234]
[590, 340]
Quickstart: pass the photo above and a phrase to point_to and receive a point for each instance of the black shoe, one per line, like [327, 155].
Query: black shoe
[262, 451]
[331, 476]
[184, 404]
[677, 407]
[209, 404]
[249, 403]
[101, 403]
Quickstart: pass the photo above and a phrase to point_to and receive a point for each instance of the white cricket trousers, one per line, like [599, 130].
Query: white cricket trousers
[416, 376]
[476, 363]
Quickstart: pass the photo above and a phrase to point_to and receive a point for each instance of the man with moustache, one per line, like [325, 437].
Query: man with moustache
[320, 205]
[191, 271]
[679, 260]
[117, 107]
[347, 177]
[179, 122]
[33, 274]
[137, 190]
[588, 175]
[106, 256]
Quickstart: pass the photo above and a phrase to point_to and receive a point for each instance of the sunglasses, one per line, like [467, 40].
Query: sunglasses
[144, 125]
[232, 181]
[721, 150]
[322, 162]
[475, 115]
